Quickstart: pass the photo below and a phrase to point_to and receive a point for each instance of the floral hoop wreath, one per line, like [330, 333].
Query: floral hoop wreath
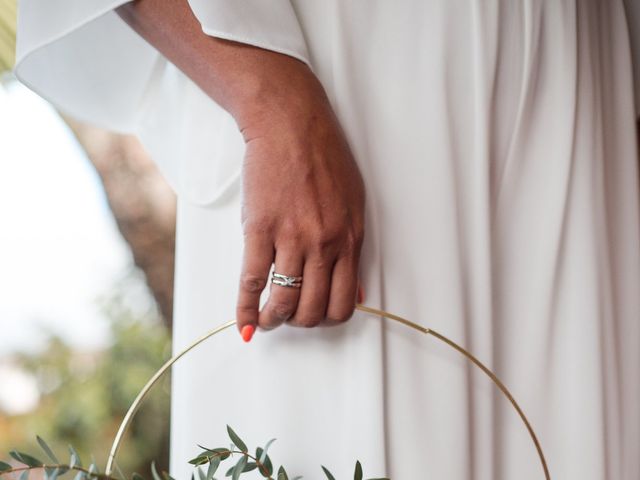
[115, 447]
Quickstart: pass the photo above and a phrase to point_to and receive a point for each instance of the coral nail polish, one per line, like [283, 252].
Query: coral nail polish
[360, 294]
[247, 332]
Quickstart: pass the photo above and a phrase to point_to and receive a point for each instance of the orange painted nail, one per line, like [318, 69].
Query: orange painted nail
[360, 294]
[247, 332]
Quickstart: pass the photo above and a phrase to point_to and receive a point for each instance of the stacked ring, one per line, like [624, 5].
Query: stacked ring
[286, 280]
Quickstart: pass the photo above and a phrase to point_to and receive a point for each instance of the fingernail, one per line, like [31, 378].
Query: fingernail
[360, 294]
[247, 332]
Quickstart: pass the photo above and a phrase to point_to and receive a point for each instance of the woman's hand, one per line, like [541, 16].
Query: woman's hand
[302, 207]
[303, 197]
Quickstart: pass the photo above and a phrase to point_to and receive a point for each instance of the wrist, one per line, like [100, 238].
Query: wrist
[279, 99]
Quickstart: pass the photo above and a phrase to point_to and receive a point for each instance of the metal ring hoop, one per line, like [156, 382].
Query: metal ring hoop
[380, 313]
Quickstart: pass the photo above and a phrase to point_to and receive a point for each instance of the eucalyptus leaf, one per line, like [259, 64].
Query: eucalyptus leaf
[47, 450]
[282, 474]
[24, 475]
[154, 471]
[213, 467]
[94, 466]
[4, 467]
[201, 475]
[73, 453]
[166, 476]
[358, 472]
[327, 473]
[80, 476]
[266, 463]
[236, 439]
[48, 472]
[266, 447]
[208, 454]
[247, 467]
[201, 459]
[239, 468]
[223, 453]
[54, 474]
[120, 472]
[25, 459]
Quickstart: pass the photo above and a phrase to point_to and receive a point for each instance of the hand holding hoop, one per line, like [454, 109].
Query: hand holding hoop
[380, 313]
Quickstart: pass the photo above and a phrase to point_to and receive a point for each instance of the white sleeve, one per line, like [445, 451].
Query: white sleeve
[89, 63]
[632, 10]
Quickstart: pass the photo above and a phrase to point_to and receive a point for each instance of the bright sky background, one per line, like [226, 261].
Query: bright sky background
[59, 246]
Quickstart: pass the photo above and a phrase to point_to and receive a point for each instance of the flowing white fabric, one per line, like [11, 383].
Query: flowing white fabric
[90, 64]
[497, 144]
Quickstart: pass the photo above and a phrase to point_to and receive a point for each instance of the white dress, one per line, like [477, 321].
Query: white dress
[497, 143]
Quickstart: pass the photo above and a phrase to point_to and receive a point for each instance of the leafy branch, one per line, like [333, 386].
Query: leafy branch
[211, 457]
[54, 470]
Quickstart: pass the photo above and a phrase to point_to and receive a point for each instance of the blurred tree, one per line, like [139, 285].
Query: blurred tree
[7, 34]
[86, 394]
[142, 203]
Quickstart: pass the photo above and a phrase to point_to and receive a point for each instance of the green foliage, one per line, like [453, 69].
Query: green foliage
[47, 449]
[8, 13]
[358, 473]
[26, 459]
[328, 473]
[236, 439]
[213, 457]
[86, 394]
[244, 462]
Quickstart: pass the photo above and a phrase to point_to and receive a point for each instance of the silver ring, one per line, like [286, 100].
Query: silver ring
[286, 280]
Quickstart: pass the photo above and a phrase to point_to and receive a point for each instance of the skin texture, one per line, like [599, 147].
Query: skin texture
[303, 196]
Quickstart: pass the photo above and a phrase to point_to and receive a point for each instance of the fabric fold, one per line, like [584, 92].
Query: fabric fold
[84, 59]
[632, 9]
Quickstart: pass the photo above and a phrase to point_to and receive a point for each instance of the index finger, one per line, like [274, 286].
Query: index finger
[257, 259]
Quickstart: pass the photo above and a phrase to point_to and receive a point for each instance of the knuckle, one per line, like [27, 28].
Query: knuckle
[307, 321]
[330, 236]
[340, 316]
[268, 323]
[246, 313]
[291, 232]
[350, 246]
[252, 283]
[256, 224]
[246, 310]
[354, 240]
[330, 239]
[283, 310]
[351, 249]
[326, 239]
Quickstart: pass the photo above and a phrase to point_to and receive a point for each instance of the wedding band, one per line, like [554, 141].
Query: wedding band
[286, 280]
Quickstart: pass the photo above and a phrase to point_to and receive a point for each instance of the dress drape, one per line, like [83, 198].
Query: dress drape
[498, 148]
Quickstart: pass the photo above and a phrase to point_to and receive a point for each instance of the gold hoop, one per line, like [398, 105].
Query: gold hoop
[126, 421]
